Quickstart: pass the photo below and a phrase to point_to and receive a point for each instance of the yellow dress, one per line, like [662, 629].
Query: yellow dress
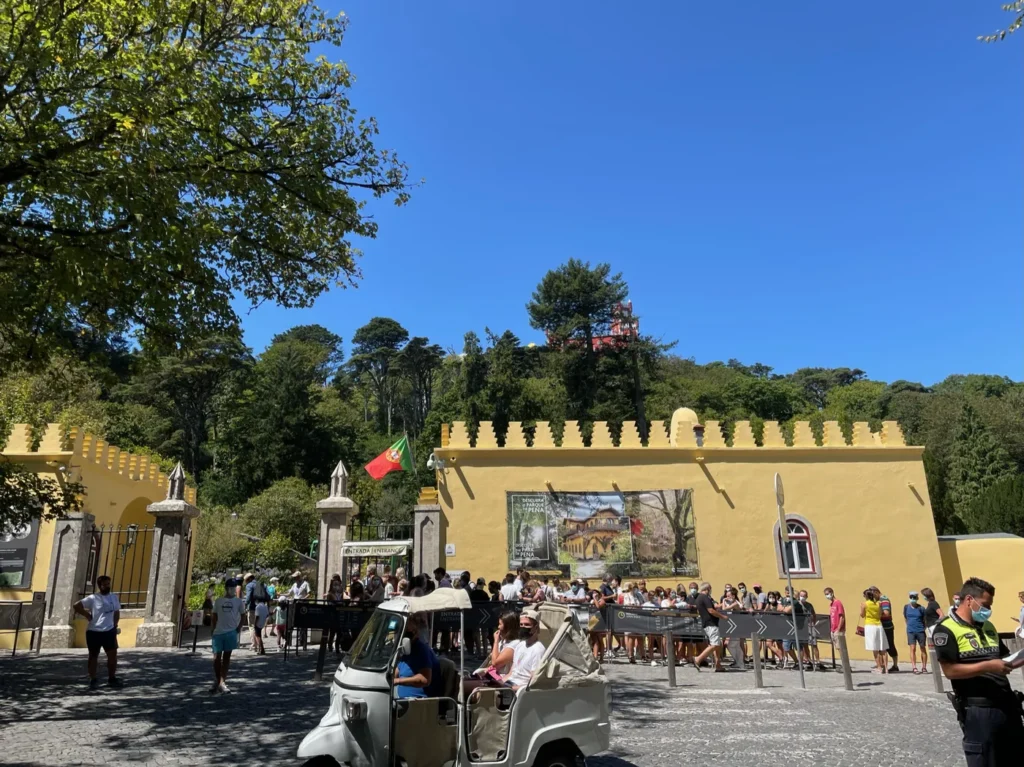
[872, 614]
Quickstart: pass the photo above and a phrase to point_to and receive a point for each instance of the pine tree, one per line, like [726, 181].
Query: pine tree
[999, 509]
[977, 461]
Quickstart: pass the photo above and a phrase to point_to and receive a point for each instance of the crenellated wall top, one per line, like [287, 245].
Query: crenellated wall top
[683, 431]
[73, 446]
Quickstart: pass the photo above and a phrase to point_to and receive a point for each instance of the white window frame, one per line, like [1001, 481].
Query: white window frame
[808, 538]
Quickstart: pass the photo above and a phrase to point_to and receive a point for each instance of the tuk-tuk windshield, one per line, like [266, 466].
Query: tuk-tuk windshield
[376, 644]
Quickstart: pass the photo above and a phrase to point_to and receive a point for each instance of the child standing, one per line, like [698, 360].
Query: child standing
[280, 620]
[262, 614]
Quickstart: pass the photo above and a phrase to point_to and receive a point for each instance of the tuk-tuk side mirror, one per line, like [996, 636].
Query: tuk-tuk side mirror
[406, 647]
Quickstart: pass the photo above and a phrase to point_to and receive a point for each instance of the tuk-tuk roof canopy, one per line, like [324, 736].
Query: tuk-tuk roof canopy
[438, 599]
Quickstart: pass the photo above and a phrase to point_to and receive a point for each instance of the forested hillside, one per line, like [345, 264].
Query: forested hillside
[258, 431]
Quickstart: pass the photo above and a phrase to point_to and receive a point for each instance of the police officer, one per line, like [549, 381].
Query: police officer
[970, 653]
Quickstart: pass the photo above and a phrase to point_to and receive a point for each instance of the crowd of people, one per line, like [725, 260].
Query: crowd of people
[262, 608]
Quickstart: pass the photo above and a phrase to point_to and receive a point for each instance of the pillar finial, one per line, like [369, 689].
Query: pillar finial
[176, 484]
[339, 481]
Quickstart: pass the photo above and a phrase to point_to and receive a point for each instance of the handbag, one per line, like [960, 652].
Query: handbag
[860, 630]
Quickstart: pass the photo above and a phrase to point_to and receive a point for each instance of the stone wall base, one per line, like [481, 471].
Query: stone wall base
[156, 635]
[57, 637]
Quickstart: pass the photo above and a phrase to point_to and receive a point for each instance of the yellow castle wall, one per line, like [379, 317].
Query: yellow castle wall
[117, 488]
[867, 503]
[1000, 561]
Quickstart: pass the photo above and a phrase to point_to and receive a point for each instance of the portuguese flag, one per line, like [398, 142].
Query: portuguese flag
[398, 457]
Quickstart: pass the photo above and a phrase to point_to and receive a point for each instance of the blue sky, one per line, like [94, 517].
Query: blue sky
[800, 184]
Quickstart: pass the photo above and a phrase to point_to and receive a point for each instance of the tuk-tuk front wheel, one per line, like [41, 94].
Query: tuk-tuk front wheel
[558, 754]
[321, 761]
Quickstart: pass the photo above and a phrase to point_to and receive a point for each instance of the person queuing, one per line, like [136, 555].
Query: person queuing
[913, 614]
[103, 611]
[875, 641]
[709, 618]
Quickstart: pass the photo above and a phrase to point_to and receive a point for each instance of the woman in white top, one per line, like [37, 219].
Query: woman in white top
[503, 648]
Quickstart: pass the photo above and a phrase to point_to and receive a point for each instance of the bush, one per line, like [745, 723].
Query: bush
[218, 544]
[289, 507]
[275, 551]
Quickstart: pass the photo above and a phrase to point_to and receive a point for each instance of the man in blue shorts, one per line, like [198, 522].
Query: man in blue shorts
[227, 616]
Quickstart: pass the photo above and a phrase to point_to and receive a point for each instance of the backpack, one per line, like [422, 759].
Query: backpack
[259, 593]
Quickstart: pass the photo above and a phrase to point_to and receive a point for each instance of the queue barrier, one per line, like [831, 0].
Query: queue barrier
[17, 617]
[350, 616]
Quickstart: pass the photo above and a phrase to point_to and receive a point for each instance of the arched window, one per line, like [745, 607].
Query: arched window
[799, 555]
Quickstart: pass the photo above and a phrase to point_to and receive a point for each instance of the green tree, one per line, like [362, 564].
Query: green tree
[375, 354]
[474, 380]
[418, 362]
[999, 508]
[573, 304]
[274, 430]
[182, 386]
[288, 507]
[159, 159]
[976, 461]
[818, 382]
[319, 336]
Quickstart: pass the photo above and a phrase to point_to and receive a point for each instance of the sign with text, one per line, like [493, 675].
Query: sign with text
[17, 555]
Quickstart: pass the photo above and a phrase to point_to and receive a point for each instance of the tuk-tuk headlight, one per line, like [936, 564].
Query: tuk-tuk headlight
[353, 709]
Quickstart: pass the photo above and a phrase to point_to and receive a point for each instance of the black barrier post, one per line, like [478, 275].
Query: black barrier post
[195, 636]
[758, 679]
[17, 628]
[670, 657]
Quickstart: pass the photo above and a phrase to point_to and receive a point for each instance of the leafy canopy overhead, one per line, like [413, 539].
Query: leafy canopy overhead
[157, 158]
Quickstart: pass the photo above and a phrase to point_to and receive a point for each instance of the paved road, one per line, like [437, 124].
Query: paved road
[164, 716]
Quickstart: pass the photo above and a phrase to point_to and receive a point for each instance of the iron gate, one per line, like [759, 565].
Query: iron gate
[123, 553]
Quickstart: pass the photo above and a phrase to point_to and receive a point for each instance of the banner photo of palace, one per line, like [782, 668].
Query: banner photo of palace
[649, 533]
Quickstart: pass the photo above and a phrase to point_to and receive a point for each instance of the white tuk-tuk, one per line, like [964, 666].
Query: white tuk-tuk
[561, 714]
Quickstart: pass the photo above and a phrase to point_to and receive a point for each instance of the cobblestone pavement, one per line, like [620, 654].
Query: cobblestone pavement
[164, 716]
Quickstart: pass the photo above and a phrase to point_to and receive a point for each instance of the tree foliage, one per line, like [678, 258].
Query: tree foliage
[976, 461]
[159, 158]
[999, 508]
[1016, 8]
[260, 431]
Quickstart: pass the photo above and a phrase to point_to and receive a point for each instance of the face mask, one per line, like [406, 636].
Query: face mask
[693, 592]
[913, 600]
[830, 597]
[772, 600]
[981, 615]
[956, 603]
[743, 591]
[803, 599]
[525, 633]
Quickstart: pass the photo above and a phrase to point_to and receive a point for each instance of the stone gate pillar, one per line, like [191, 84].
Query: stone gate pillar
[72, 538]
[428, 537]
[335, 512]
[168, 569]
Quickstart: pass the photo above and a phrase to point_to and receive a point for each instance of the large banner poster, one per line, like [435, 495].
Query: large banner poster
[649, 533]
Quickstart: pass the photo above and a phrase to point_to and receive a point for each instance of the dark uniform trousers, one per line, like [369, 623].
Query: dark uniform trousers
[993, 737]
